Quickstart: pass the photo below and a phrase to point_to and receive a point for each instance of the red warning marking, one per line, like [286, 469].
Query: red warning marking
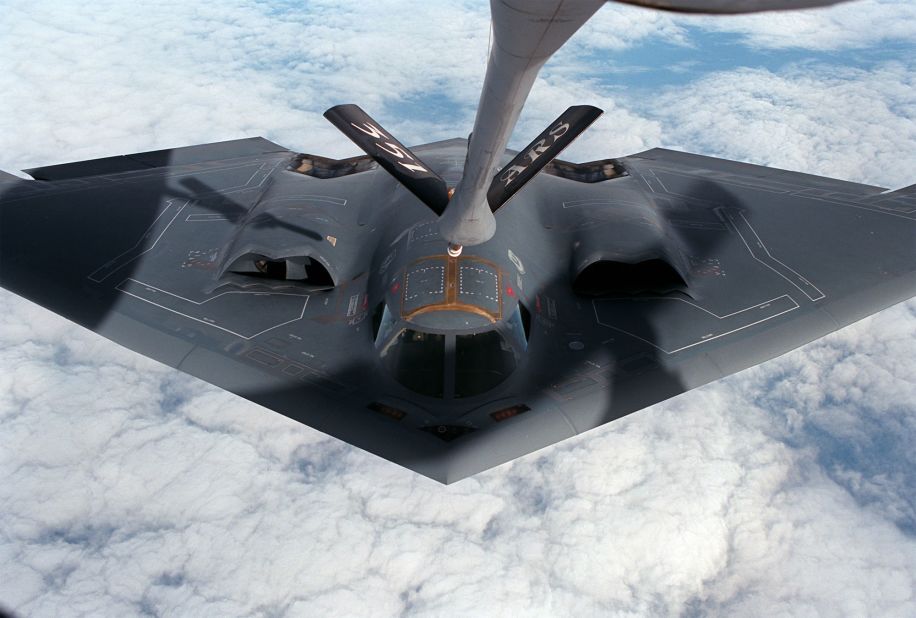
[510, 291]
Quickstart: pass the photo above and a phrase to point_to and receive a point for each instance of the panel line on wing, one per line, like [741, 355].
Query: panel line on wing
[113, 265]
[770, 184]
[121, 288]
[707, 337]
[798, 280]
[206, 217]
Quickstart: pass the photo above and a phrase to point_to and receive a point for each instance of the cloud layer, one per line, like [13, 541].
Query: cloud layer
[850, 123]
[130, 488]
[862, 24]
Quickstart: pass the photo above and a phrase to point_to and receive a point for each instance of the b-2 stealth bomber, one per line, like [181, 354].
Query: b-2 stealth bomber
[455, 305]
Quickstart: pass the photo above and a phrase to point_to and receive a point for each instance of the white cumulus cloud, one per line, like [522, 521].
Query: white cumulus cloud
[851, 25]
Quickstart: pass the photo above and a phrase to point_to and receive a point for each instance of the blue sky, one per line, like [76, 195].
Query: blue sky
[657, 64]
[129, 488]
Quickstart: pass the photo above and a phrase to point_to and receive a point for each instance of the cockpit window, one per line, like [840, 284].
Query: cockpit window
[518, 325]
[385, 326]
[482, 362]
[417, 361]
[446, 365]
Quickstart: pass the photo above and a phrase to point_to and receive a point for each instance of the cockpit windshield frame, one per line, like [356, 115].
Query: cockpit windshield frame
[469, 362]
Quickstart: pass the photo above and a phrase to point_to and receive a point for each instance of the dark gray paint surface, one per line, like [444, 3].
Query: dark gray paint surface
[150, 251]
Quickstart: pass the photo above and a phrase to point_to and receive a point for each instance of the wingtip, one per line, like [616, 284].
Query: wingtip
[7, 177]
